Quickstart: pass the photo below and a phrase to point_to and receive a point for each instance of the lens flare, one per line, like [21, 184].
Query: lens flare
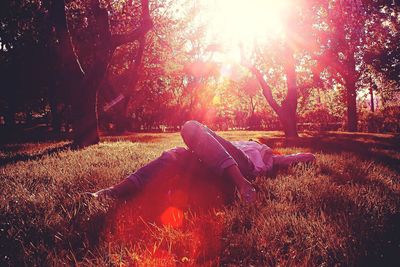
[172, 217]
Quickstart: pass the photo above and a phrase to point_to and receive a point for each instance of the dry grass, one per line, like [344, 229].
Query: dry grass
[344, 210]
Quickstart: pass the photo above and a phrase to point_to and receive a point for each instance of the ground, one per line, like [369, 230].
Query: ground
[343, 210]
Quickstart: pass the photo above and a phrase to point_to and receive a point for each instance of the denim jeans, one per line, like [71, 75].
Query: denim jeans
[206, 149]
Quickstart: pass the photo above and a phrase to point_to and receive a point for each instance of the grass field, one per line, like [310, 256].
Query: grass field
[344, 210]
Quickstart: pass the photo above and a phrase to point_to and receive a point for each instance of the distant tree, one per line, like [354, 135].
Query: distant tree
[25, 59]
[340, 35]
[381, 54]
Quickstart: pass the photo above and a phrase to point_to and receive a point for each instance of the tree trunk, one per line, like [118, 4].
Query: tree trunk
[123, 118]
[84, 105]
[55, 112]
[132, 82]
[289, 122]
[289, 105]
[9, 116]
[371, 93]
[84, 110]
[351, 106]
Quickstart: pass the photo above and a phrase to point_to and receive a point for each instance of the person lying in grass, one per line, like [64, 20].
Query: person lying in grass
[239, 161]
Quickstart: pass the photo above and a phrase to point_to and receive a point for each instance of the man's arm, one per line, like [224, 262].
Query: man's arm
[287, 160]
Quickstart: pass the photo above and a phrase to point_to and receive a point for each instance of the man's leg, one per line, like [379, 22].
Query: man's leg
[219, 155]
[169, 164]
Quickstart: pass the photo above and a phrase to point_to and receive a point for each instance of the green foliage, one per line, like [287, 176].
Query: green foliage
[344, 210]
[319, 114]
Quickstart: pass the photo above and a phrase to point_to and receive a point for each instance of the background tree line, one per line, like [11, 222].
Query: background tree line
[150, 65]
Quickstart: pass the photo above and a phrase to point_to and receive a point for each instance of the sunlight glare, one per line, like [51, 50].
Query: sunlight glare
[234, 22]
[216, 100]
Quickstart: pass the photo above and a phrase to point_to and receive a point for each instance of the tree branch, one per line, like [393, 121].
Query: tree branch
[329, 60]
[66, 49]
[267, 92]
[290, 72]
[145, 26]
[134, 69]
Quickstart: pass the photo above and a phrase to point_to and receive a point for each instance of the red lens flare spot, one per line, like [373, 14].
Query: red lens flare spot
[173, 217]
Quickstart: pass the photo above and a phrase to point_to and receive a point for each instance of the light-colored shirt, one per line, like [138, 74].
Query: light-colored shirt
[259, 154]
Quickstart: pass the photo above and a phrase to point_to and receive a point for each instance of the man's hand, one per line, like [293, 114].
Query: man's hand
[247, 193]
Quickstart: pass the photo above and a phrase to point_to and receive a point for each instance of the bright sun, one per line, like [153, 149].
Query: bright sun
[234, 22]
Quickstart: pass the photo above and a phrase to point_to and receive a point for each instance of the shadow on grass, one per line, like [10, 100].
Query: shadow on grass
[27, 157]
[377, 235]
[16, 154]
[38, 133]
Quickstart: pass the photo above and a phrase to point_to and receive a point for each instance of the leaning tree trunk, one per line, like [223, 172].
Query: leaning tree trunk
[84, 105]
[287, 111]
